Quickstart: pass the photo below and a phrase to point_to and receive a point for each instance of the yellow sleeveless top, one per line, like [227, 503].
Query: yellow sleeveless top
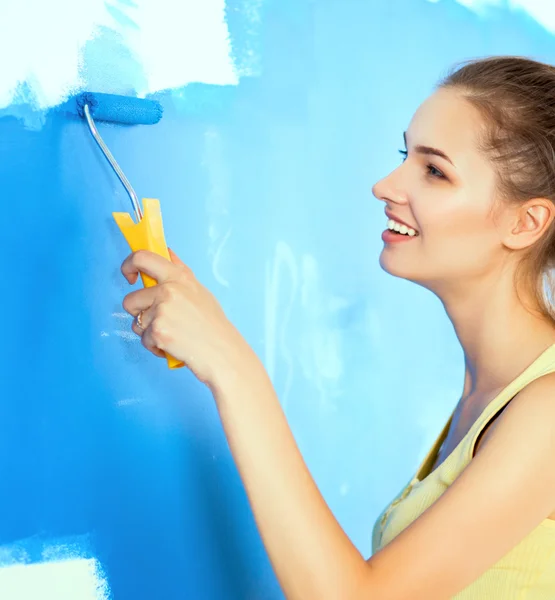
[527, 572]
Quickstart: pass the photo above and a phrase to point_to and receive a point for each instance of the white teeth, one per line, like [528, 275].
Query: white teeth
[394, 226]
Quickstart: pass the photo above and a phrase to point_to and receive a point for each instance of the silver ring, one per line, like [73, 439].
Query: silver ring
[139, 320]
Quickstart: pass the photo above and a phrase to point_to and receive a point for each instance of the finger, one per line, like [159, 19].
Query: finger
[136, 328]
[149, 263]
[148, 342]
[141, 330]
[142, 326]
[142, 322]
[139, 300]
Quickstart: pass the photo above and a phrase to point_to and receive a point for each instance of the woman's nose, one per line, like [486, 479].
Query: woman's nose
[389, 190]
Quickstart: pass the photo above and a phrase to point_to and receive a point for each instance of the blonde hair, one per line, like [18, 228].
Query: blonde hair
[516, 97]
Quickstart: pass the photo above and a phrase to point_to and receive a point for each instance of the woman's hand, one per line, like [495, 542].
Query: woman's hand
[181, 317]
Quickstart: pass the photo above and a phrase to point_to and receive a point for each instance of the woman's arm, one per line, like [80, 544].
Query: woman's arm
[311, 554]
[505, 492]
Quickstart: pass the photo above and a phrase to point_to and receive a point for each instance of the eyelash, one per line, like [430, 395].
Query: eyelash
[432, 171]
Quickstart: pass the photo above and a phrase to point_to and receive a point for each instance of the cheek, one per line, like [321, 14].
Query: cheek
[464, 241]
[458, 224]
[453, 217]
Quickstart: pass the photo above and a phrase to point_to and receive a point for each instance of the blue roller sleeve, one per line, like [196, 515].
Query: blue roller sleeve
[119, 109]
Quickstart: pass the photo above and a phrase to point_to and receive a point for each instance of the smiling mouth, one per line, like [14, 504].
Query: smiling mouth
[401, 229]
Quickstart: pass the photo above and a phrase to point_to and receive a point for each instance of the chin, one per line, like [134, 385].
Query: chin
[391, 265]
[387, 263]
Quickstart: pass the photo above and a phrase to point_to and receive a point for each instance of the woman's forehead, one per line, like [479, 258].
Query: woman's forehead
[449, 122]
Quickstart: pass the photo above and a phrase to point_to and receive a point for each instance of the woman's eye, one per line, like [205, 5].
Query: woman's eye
[432, 171]
[435, 172]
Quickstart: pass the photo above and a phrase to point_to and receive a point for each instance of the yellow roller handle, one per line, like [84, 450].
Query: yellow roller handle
[147, 234]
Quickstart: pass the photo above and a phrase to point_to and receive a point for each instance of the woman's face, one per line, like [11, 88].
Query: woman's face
[444, 190]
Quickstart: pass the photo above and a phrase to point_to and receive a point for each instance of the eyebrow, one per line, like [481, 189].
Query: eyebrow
[428, 150]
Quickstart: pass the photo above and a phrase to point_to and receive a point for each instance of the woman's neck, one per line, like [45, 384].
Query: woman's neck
[499, 334]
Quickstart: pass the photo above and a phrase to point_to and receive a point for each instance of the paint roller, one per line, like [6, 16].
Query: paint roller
[147, 231]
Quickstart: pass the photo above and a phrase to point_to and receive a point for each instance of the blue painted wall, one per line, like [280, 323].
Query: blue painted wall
[265, 190]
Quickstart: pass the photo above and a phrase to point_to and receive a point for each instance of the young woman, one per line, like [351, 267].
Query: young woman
[470, 216]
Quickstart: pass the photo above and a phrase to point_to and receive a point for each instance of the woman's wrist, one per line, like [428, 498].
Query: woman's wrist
[240, 367]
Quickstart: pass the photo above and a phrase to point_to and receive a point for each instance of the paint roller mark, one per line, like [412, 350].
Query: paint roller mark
[321, 340]
[216, 261]
[128, 402]
[121, 17]
[125, 76]
[172, 29]
[55, 70]
[44, 570]
[283, 258]
[13, 555]
[65, 580]
[541, 11]
[244, 18]
[156, 33]
[128, 336]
